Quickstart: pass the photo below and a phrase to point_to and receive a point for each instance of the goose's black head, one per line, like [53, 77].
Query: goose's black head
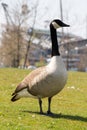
[58, 23]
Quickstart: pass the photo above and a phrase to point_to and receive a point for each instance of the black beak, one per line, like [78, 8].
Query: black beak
[65, 25]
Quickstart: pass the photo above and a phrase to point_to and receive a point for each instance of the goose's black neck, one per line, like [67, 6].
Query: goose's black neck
[55, 47]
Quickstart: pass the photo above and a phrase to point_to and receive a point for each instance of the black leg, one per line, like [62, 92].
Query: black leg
[40, 104]
[49, 105]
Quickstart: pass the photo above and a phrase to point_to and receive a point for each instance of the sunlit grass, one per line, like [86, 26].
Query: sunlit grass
[69, 106]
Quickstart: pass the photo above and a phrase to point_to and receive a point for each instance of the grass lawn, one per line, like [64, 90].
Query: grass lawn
[69, 106]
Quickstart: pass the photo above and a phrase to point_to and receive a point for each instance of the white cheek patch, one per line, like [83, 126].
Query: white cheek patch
[55, 25]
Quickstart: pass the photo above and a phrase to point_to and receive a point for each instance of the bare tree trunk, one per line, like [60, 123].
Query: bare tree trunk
[30, 39]
[26, 55]
[18, 48]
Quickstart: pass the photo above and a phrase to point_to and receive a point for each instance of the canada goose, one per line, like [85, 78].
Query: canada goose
[45, 81]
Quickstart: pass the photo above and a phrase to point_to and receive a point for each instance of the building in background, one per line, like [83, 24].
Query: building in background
[73, 49]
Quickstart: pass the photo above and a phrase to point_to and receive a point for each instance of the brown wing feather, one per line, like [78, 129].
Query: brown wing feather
[28, 81]
[34, 74]
[34, 80]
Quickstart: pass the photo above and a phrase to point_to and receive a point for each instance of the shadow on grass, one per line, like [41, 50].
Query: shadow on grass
[59, 116]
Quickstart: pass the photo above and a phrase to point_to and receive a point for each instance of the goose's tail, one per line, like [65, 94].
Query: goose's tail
[21, 91]
[15, 98]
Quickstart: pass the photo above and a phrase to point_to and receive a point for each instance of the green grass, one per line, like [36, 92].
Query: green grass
[69, 106]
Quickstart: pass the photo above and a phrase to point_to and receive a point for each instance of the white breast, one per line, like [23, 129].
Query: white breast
[57, 69]
[56, 66]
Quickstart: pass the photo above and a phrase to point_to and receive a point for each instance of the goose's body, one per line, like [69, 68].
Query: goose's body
[45, 81]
